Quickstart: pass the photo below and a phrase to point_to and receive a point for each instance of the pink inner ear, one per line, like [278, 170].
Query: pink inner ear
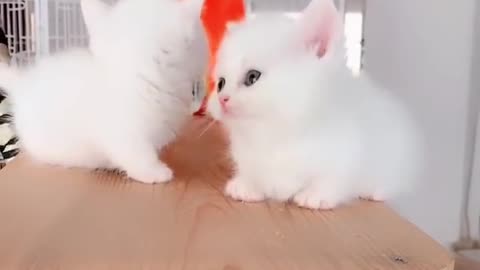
[321, 25]
[320, 44]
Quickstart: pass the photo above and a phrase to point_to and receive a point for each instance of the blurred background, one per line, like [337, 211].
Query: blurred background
[428, 51]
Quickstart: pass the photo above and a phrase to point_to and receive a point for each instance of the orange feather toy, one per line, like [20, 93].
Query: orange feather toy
[216, 15]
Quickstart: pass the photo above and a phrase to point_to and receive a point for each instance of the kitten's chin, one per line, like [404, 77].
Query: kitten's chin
[227, 113]
[236, 118]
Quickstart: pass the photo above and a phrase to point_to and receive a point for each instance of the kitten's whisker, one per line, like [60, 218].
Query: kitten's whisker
[173, 131]
[170, 129]
[209, 125]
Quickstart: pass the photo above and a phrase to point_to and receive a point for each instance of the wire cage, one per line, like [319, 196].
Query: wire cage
[16, 22]
[37, 27]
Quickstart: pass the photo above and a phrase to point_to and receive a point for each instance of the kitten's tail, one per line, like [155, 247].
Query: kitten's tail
[8, 78]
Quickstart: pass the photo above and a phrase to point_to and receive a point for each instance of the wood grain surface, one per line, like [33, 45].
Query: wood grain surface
[465, 263]
[55, 218]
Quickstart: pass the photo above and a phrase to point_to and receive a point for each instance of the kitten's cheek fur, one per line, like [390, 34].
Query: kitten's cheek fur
[214, 108]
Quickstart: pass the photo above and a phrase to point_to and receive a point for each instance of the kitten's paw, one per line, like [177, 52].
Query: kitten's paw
[157, 174]
[313, 200]
[376, 197]
[239, 190]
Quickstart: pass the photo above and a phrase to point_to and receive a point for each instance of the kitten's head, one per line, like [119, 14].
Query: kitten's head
[142, 34]
[264, 60]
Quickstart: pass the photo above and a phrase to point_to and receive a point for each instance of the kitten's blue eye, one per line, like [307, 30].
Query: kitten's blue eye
[221, 84]
[252, 77]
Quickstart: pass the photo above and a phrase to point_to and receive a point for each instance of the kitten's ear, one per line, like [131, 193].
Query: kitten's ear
[321, 27]
[94, 12]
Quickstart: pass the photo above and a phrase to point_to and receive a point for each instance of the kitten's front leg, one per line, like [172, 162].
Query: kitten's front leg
[312, 199]
[241, 189]
[157, 172]
[324, 195]
[377, 196]
[140, 161]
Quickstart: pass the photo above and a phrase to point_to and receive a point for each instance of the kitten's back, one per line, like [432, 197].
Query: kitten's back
[62, 75]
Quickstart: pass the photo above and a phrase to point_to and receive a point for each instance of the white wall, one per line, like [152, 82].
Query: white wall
[475, 106]
[423, 49]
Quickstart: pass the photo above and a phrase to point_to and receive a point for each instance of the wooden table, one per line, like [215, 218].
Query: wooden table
[55, 218]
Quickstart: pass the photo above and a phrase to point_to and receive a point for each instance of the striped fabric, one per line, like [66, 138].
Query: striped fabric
[8, 140]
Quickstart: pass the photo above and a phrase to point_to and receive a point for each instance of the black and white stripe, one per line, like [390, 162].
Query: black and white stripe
[8, 140]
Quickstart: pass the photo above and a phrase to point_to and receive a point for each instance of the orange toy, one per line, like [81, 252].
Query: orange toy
[215, 16]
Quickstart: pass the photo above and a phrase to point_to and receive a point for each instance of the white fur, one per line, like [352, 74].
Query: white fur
[308, 130]
[114, 104]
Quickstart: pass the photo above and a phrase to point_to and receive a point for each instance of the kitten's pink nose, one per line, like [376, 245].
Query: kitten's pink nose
[224, 101]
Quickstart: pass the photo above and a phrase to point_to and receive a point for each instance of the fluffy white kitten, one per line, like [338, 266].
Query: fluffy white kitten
[114, 104]
[301, 127]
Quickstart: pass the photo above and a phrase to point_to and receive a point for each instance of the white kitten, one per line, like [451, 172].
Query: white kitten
[301, 127]
[114, 104]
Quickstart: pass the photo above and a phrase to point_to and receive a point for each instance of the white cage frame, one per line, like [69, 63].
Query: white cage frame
[38, 27]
